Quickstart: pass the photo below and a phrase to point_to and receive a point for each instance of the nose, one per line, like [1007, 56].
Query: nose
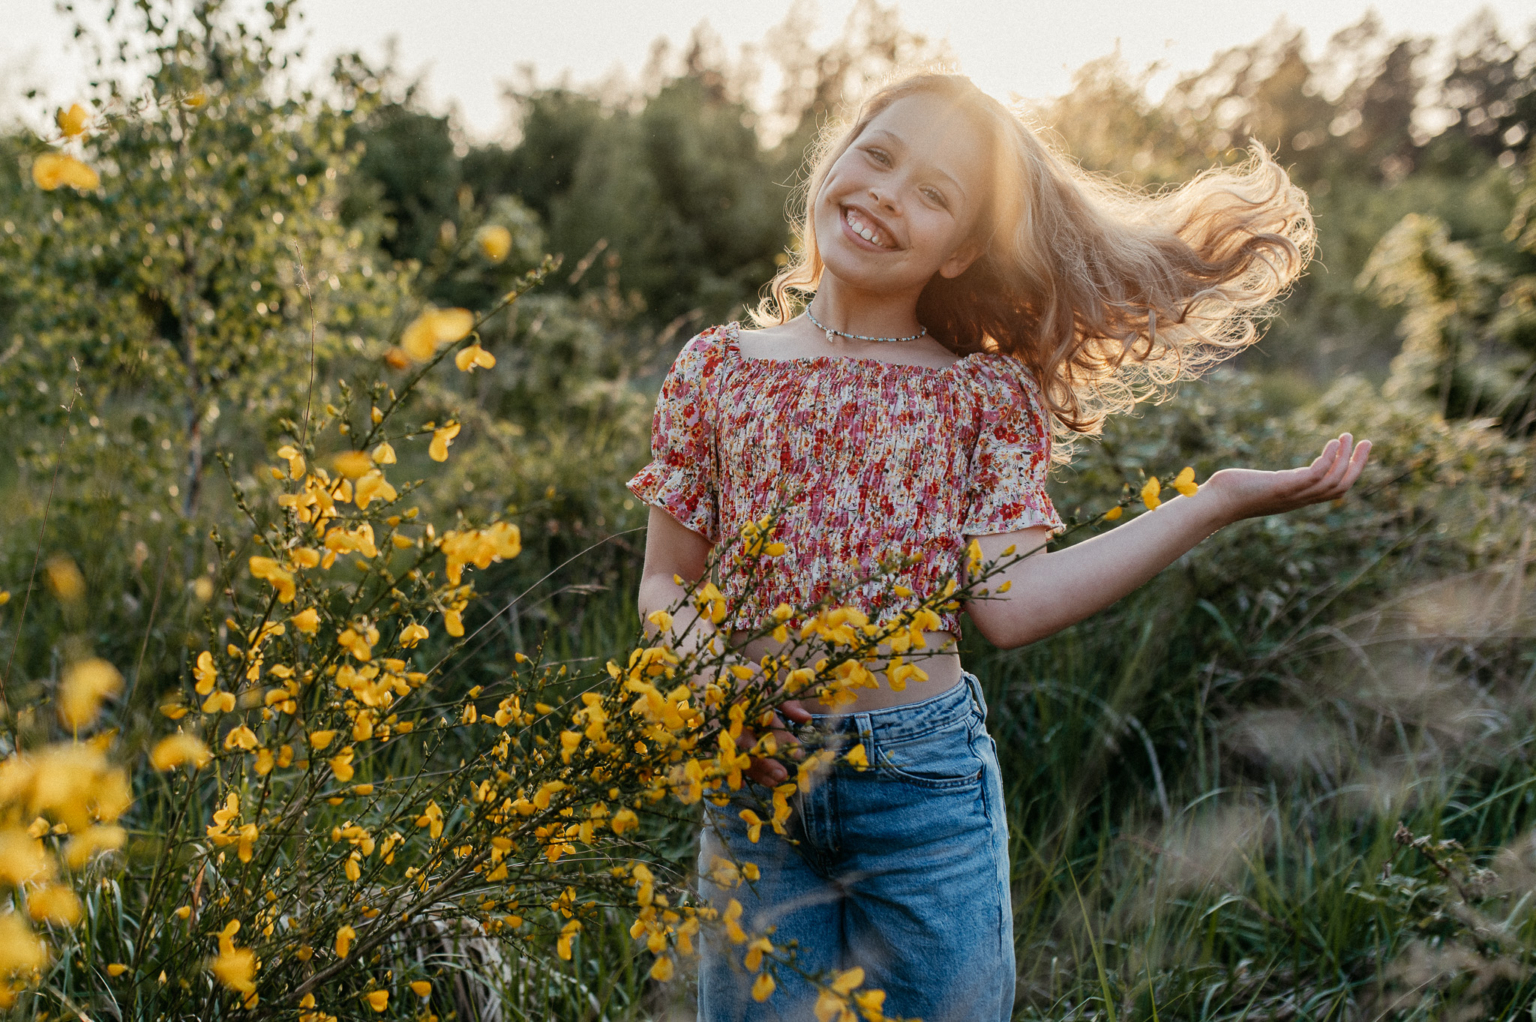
[882, 198]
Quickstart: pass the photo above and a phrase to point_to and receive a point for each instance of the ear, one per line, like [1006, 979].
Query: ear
[961, 259]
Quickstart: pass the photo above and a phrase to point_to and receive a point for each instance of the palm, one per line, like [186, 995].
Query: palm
[1250, 493]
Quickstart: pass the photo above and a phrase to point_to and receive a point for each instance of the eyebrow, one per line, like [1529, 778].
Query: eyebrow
[902, 144]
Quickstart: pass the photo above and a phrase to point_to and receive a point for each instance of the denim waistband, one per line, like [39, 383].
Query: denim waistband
[908, 720]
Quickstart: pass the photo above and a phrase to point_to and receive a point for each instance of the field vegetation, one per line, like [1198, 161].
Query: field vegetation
[323, 693]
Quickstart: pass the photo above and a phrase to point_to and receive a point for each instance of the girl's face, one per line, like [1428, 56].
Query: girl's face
[900, 204]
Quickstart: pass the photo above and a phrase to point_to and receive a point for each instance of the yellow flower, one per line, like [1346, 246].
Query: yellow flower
[432, 818]
[54, 903]
[116, 969]
[1185, 483]
[52, 170]
[1113, 513]
[22, 858]
[352, 464]
[421, 988]
[373, 486]
[434, 328]
[754, 824]
[320, 739]
[281, 579]
[857, 758]
[205, 673]
[197, 99]
[178, 749]
[236, 969]
[294, 458]
[411, 634]
[72, 121]
[86, 683]
[1149, 494]
[20, 949]
[378, 1000]
[240, 737]
[344, 938]
[495, 241]
[762, 987]
[307, 620]
[219, 702]
[64, 578]
[730, 918]
[662, 970]
[847, 981]
[473, 356]
[441, 438]
[383, 454]
[341, 764]
[624, 819]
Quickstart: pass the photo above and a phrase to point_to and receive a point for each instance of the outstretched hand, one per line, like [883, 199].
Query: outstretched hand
[1251, 493]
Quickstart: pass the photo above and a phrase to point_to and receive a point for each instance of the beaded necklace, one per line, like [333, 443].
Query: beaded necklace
[859, 337]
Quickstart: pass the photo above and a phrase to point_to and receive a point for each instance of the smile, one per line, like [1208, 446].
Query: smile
[870, 234]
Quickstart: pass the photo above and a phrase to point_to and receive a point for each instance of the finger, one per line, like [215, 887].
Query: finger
[781, 734]
[1356, 465]
[1341, 460]
[794, 709]
[1315, 473]
[769, 773]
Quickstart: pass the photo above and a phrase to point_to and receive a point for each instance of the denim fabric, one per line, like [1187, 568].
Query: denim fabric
[901, 868]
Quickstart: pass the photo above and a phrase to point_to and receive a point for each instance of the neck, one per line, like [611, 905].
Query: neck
[851, 309]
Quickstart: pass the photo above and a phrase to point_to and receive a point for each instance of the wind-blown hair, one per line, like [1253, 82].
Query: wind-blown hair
[1106, 292]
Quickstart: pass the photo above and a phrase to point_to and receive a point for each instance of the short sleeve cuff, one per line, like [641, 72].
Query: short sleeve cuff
[1000, 514]
[682, 493]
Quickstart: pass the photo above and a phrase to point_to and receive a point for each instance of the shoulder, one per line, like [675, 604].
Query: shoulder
[995, 376]
[1008, 400]
[704, 352]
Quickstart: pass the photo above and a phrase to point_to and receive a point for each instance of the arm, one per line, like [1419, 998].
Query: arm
[672, 549]
[1053, 590]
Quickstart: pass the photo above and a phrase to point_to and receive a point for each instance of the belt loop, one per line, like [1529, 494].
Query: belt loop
[866, 734]
[974, 684]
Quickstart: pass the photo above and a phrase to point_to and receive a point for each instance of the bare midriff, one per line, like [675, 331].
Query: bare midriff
[938, 659]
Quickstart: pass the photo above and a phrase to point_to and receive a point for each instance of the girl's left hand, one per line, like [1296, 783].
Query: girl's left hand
[1250, 493]
[769, 772]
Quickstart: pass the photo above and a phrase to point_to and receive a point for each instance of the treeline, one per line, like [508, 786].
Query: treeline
[675, 191]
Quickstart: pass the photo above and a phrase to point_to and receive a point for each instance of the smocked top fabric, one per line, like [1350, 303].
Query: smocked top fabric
[862, 459]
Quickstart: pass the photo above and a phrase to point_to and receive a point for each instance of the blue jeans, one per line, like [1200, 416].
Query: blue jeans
[901, 868]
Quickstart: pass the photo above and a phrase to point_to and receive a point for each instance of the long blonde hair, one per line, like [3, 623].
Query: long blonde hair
[1106, 292]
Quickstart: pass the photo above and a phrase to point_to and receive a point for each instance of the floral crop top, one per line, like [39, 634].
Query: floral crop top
[864, 457]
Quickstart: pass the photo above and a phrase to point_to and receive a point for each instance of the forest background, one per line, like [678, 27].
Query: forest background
[1290, 778]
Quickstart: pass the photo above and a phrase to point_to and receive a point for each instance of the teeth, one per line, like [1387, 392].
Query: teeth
[865, 232]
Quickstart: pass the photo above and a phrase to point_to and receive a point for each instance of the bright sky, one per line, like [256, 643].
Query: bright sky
[468, 50]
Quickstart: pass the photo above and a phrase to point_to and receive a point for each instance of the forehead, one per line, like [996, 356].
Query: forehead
[934, 130]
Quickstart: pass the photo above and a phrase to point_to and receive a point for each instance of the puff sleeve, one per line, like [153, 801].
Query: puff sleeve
[1005, 490]
[682, 477]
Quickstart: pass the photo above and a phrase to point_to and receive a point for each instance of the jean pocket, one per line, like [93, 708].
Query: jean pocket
[940, 759]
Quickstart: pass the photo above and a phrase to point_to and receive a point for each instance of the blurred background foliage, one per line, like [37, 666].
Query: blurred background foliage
[1205, 782]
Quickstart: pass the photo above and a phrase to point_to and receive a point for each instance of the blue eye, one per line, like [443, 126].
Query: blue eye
[878, 154]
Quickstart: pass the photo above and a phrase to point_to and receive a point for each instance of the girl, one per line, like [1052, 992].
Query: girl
[969, 292]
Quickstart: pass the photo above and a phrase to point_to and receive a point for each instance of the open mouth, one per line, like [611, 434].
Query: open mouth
[869, 232]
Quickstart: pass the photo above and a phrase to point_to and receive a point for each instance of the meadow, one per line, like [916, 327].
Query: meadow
[324, 693]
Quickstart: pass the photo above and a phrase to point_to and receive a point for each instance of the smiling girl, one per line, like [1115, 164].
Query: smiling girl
[969, 292]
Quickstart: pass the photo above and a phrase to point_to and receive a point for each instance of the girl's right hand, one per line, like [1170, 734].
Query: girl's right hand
[1250, 493]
